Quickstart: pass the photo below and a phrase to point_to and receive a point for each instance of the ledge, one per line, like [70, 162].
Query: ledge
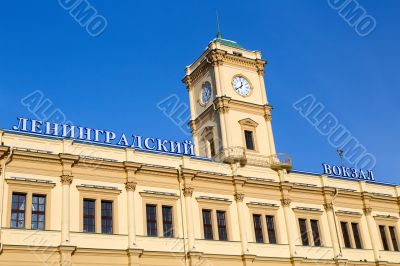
[30, 182]
[94, 188]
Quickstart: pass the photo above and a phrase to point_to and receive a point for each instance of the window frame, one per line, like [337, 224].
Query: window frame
[30, 187]
[17, 210]
[214, 206]
[38, 212]
[351, 218]
[388, 221]
[107, 218]
[265, 209]
[309, 215]
[95, 210]
[99, 194]
[249, 125]
[159, 200]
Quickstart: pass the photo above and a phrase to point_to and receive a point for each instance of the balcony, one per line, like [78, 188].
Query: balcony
[280, 161]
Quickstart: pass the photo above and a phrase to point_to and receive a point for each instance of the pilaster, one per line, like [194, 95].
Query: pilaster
[187, 176]
[66, 253]
[66, 178]
[134, 256]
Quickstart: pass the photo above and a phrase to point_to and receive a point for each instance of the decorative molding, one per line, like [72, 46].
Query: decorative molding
[208, 199]
[30, 182]
[248, 122]
[66, 179]
[130, 186]
[95, 188]
[328, 206]
[367, 210]
[307, 210]
[188, 191]
[239, 197]
[388, 217]
[158, 194]
[348, 213]
[253, 204]
[222, 104]
[286, 202]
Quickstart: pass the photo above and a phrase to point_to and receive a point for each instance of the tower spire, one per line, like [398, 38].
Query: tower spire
[219, 34]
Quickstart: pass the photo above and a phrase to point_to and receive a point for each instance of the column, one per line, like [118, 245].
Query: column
[286, 201]
[130, 185]
[332, 228]
[268, 119]
[289, 226]
[242, 225]
[188, 176]
[238, 183]
[372, 231]
[66, 181]
[130, 189]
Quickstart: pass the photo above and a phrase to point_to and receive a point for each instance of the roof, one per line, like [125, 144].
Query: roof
[228, 42]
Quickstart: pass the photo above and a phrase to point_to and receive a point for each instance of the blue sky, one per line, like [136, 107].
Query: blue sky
[115, 80]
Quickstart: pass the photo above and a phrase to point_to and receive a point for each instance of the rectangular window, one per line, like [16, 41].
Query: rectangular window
[18, 210]
[151, 219]
[221, 221]
[346, 235]
[106, 217]
[89, 217]
[168, 228]
[356, 234]
[258, 228]
[271, 229]
[248, 135]
[383, 237]
[212, 147]
[304, 232]
[207, 225]
[392, 231]
[38, 212]
[315, 233]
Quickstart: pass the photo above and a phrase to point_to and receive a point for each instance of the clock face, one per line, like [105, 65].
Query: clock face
[205, 93]
[241, 85]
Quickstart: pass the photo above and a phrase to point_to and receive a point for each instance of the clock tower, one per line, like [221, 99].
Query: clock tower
[230, 114]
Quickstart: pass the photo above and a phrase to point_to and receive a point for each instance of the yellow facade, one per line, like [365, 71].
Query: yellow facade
[239, 183]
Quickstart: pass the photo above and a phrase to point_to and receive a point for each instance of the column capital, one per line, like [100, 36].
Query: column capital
[67, 161]
[367, 210]
[66, 179]
[328, 206]
[239, 197]
[130, 186]
[188, 191]
[222, 104]
[286, 202]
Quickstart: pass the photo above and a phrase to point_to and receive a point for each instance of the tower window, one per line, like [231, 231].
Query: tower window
[212, 147]
[248, 135]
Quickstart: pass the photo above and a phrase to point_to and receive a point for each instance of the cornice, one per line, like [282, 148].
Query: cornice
[4, 150]
[30, 182]
[35, 156]
[98, 189]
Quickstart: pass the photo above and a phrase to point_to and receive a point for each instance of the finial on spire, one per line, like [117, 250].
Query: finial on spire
[219, 34]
